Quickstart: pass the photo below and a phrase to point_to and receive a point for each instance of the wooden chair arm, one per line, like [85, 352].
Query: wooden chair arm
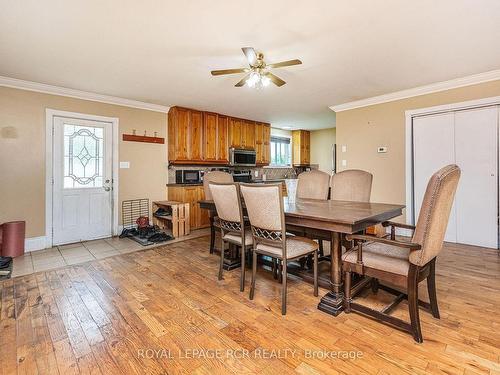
[399, 225]
[363, 237]
[395, 225]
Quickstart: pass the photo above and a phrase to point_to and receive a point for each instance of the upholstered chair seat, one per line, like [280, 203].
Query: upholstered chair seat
[236, 238]
[295, 247]
[383, 257]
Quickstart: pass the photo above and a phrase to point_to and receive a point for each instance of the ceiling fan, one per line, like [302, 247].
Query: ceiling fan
[258, 75]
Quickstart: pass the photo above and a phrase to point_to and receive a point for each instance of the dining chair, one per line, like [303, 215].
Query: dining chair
[214, 176]
[265, 210]
[227, 199]
[405, 264]
[351, 185]
[313, 184]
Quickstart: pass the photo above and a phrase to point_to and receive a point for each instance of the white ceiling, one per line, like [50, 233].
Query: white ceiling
[162, 51]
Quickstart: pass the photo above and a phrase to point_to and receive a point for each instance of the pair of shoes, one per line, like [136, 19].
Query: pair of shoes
[162, 212]
[5, 262]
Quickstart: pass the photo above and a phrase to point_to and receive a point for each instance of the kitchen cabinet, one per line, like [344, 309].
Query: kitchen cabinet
[262, 143]
[215, 129]
[235, 131]
[198, 218]
[185, 135]
[301, 140]
[197, 137]
[248, 135]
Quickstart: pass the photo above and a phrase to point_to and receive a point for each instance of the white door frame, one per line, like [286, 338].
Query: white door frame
[409, 115]
[49, 173]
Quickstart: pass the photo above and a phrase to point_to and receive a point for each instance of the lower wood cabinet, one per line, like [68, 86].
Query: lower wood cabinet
[191, 194]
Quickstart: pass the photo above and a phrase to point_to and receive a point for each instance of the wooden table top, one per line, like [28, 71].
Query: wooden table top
[345, 212]
[341, 212]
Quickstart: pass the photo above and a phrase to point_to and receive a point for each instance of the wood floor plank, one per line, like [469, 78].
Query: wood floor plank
[163, 310]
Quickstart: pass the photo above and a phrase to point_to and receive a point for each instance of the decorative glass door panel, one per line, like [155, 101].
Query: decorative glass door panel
[83, 156]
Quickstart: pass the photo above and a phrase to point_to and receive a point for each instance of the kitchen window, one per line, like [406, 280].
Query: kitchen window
[281, 152]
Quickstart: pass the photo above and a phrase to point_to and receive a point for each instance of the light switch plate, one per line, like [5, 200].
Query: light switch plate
[344, 148]
[124, 164]
[344, 163]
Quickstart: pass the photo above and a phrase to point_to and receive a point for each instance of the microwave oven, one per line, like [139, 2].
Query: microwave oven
[186, 176]
[242, 158]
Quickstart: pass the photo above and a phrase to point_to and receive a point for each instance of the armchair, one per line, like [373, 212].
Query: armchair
[405, 264]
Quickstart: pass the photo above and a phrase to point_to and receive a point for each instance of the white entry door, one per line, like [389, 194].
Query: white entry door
[82, 180]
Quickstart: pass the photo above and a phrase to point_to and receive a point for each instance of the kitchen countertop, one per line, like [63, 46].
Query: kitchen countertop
[253, 182]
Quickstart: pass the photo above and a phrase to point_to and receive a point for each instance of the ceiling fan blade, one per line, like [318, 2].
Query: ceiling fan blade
[250, 54]
[228, 71]
[285, 63]
[275, 79]
[243, 81]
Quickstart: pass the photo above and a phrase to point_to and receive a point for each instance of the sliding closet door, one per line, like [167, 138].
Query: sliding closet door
[476, 154]
[433, 148]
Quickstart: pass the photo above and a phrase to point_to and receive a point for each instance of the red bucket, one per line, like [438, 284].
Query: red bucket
[12, 238]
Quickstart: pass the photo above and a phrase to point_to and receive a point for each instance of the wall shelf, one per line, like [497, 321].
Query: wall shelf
[143, 138]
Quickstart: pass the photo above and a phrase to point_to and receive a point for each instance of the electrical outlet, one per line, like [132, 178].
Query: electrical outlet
[124, 164]
[344, 163]
[382, 150]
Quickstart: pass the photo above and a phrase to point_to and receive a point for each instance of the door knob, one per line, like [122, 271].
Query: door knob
[106, 188]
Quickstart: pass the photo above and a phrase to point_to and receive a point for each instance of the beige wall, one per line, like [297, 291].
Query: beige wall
[362, 130]
[322, 142]
[22, 153]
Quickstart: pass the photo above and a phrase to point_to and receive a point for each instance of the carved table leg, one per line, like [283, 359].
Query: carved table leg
[332, 302]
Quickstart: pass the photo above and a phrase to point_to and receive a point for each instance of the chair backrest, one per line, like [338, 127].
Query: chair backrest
[227, 199]
[313, 185]
[351, 185]
[265, 210]
[434, 214]
[214, 176]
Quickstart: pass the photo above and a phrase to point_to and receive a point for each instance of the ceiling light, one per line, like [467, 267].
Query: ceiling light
[254, 79]
[286, 127]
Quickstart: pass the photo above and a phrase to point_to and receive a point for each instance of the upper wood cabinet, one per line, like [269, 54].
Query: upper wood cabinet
[248, 135]
[196, 137]
[235, 132]
[185, 135]
[301, 140]
[215, 137]
[222, 138]
[262, 142]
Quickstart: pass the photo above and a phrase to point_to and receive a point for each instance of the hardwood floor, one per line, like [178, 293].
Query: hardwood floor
[155, 311]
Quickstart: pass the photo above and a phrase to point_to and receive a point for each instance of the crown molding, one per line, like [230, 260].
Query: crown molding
[78, 94]
[474, 79]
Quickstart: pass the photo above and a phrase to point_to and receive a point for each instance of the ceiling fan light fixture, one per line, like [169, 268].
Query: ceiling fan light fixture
[254, 79]
[258, 74]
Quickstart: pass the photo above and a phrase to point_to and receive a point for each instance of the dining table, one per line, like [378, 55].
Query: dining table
[332, 220]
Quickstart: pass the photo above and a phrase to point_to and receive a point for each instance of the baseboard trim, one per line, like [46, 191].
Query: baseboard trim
[35, 244]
